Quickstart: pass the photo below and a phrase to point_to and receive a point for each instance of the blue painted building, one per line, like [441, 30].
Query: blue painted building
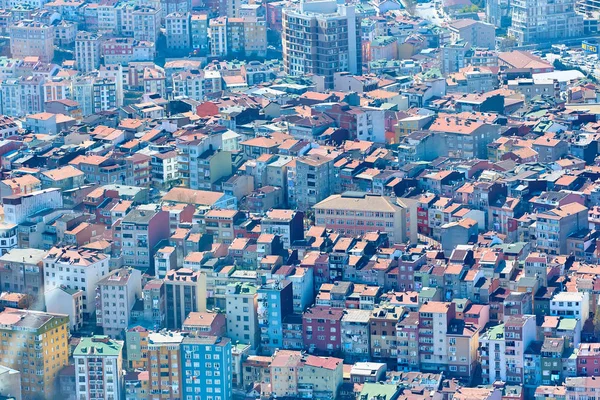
[206, 368]
[275, 302]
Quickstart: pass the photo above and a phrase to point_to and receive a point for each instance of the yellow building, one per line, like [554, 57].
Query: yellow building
[136, 342]
[410, 124]
[36, 344]
[164, 359]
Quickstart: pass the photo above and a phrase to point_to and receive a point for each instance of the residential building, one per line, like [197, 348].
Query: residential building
[242, 316]
[300, 40]
[274, 304]
[62, 300]
[44, 338]
[87, 51]
[140, 231]
[207, 368]
[178, 31]
[76, 268]
[356, 344]
[164, 362]
[98, 368]
[321, 326]
[185, 292]
[22, 271]
[554, 226]
[32, 38]
[116, 295]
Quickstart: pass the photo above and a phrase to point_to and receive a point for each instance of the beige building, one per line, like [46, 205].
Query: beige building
[32, 38]
[87, 51]
[356, 213]
[242, 317]
[185, 292]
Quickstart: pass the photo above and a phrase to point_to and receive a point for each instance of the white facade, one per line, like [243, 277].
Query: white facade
[98, 369]
[87, 51]
[66, 301]
[18, 208]
[76, 269]
[571, 305]
[117, 294]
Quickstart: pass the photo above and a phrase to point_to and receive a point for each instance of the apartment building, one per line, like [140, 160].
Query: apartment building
[274, 304]
[301, 41]
[356, 343]
[17, 208]
[140, 232]
[43, 338]
[163, 360]
[242, 317]
[199, 36]
[146, 21]
[22, 271]
[554, 226]
[185, 292]
[76, 268]
[87, 51]
[434, 318]
[98, 368]
[503, 348]
[217, 33]
[32, 38]
[536, 22]
[321, 326]
[475, 33]
[356, 213]
[62, 300]
[178, 31]
[207, 368]
[313, 182]
[116, 294]
[575, 305]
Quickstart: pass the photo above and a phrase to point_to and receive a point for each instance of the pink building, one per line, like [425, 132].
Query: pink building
[588, 359]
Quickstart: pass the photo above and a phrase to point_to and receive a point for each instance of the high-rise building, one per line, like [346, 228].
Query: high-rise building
[537, 21]
[185, 293]
[98, 368]
[178, 30]
[163, 359]
[147, 24]
[321, 38]
[206, 368]
[116, 294]
[87, 51]
[275, 302]
[32, 38]
[242, 318]
[42, 339]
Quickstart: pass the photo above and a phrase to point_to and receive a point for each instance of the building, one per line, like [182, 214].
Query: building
[17, 208]
[554, 226]
[22, 271]
[314, 181]
[44, 338]
[199, 36]
[98, 368]
[274, 303]
[321, 327]
[207, 368]
[147, 24]
[242, 318]
[537, 22]
[62, 300]
[116, 294]
[164, 361]
[140, 231]
[178, 31]
[10, 383]
[87, 51]
[574, 305]
[32, 38]
[289, 224]
[356, 213]
[301, 40]
[356, 344]
[185, 292]
[217, 33]
[503, 349]
[475, 33]
[76, 268]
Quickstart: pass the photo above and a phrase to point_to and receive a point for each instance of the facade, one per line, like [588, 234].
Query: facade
[98, 368]
[207, 368]
[87, 51]
[242, 318]
[140, 231]
[34, 332]
[185, 292]
[358, 213]
[274, 303]
[535, 22]
[178, 30]
[32, 38]
[76, 269]
[300, 46]
[117, 293]
[164, 361]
